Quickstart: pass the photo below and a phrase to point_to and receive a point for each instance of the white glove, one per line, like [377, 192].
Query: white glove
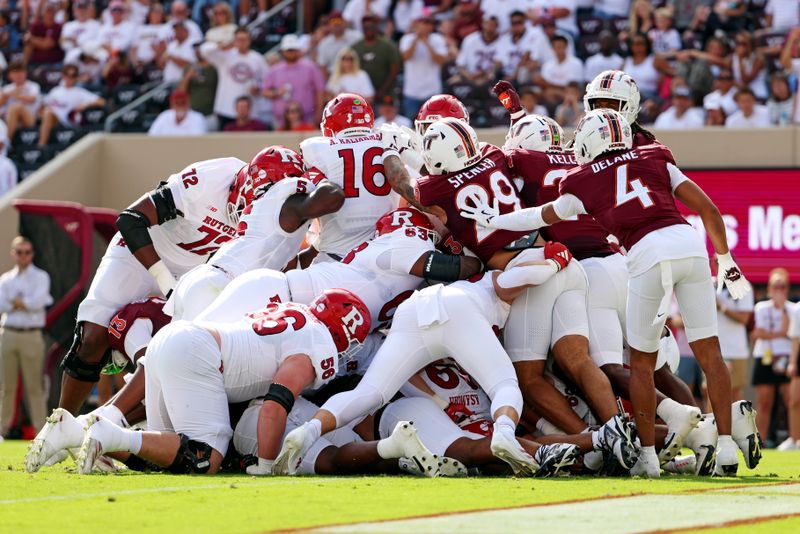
[403, 142]
[164, 279]
[263, 467]
[482, 214]
[729, 274]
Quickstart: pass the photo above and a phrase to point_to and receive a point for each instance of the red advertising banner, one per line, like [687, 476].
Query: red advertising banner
[761, 209]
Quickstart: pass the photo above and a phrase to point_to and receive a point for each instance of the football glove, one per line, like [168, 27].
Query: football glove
[729, 275]
[482, 214]
[557, 252]
[508, 96]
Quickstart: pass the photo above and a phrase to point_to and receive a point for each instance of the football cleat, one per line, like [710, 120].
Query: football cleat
[671, 449]
[91, 448]
[703, 441]
[450, 467]
[646, 466]
[553, 458]
[745, 432]
[61, 431]
[506, 447]
[616, 437]
[97, 439]
[681, 465]
[681, 419]
[727, 462]
[789, 444]
[405, 435]
[295, 445]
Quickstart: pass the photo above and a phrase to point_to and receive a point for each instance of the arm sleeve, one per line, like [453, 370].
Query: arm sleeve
[138, 336]
[40, 297]
[676, 176]
[568, 205]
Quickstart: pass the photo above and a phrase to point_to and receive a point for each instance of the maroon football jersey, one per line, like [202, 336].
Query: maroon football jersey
[147, 308]
[629, 193]
[479, 184]
[541, 173]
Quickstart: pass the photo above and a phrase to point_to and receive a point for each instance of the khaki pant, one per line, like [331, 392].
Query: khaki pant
[22, 351]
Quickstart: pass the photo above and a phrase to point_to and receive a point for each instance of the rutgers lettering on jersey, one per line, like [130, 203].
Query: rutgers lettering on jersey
[487, 180]
[628, 194]
[541, 173]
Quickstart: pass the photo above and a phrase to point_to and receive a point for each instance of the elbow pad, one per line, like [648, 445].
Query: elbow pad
[134, 226]
[441, 267]
[165, 204]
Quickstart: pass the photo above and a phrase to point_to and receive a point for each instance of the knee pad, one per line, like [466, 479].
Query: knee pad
[76, 367]
[506, 393]
[192, 457]
[136, 463]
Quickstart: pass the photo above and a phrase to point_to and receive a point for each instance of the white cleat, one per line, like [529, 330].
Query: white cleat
[671, 449]
[789, 444]
[452, 468]
[745, 432]
[616, 437]
[506, 447]
[553, 458]
[295, 446]
[682, 419]
[646, 466]
[727, 462]
[405, 435]
[61, 431]
[681, 465]
[91, 448]
[703, 441]
[98, 438]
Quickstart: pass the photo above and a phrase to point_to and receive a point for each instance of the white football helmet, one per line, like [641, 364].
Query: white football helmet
[535, 132]
[614, 85]
[450, 145]
[601, 131]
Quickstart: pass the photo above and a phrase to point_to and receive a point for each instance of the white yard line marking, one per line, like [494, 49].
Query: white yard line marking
[634, 514]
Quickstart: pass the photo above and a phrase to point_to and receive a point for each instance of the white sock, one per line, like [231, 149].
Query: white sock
[388, 448]
[135, 444]
[666, 407]
[593, 460]
[116, 439]
[505, 421]
[648, 454]
[315, 430]
[725, 440]
[113, 414]
[596, 445]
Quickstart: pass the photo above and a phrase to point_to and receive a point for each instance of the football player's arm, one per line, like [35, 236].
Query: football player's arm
[399, 178]
[694, 198]
[153, 208]
[326, 198]
[295, 374]
[416, 387]
[526, 219]
[435, 266]
[511, 283]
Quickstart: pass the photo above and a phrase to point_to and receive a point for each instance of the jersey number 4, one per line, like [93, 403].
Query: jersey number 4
[369, 171]
[475, 195]
[628, 190]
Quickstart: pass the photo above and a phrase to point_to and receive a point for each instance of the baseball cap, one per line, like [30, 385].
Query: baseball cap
[712, 101]
[290, 42]
[82, 3]
[335, 17]
[116, 5]
[682, 91]
[370, 17]
[179, 97]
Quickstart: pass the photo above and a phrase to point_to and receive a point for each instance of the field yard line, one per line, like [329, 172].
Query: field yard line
[699, 509]
[114, 493]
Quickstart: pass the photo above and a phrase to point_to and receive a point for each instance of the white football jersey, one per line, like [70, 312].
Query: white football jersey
[454, 385]
[355, 164]
[201, 193]
[253, 348]
[261, 242]
[431, 309]
[377, 271]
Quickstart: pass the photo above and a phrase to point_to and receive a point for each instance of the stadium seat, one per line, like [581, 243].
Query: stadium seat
[48, 76]
[590, 25]
[148, 120]
[497, 115]
[620, 24]
[588, 45]
[465, 91]
[125, 94]
[93, 119]
[130, 121]
[159, 102]
[24, 170]
[25, 137]
[153, 74]
[34, 155]
[65, 136]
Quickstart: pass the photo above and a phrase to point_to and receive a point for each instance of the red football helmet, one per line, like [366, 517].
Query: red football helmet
[270, 165]
[348, 114]
[346, 317]
[404, 218]
[438, 107]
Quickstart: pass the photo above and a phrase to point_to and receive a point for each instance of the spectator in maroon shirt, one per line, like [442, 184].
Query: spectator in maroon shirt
[293, 119]
[467, 19]
[243, 122]
[42, 39]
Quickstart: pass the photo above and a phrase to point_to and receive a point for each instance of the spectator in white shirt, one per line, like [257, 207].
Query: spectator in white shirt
[794, 381]
[517, 50]
[65, 101]
[388, 113]
[20, 99]
[790, 61]
[562, 12]
[608, 9]
[748, 65]
[118, 34]
[664, 37]
[781, 103]
[180, 119]
[502, 10]
[340, 36]
[223, 27]
[639, 65]
[179, 54]
[347, 77]
[151, 38]
[570, 111]
[680, 115]
[715, 115]
[404, 13]
[782, 15]
[477, 59]
[606, 59]
[24, 295]
[355, 10]
[724, 92]
[732, 319]
[82, 29]
[557, 73]
[179, 12]
[8, 173]
[529, 98]
[423, 52]
[240, 72]
[750, 114]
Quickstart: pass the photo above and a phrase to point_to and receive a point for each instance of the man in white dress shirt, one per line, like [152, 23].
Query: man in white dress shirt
[24, 294]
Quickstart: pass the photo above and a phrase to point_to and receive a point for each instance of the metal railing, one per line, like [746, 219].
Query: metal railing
[268, 14]
[108, 126]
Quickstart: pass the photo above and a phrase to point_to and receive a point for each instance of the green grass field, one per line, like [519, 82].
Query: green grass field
[58, 500]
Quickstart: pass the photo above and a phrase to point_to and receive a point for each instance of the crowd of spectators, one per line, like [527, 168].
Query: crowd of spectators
[697, 62]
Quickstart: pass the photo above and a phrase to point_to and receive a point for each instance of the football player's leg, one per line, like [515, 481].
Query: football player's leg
[246, 293]
[120, 279]
[195, 291]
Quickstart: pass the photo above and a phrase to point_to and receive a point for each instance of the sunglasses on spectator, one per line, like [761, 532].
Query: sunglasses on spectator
[71, 74]
[23, 252]
[517, 21]
[293, 110]
[117, 10]
[347, 58]
[742, 43]
[779, 286]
